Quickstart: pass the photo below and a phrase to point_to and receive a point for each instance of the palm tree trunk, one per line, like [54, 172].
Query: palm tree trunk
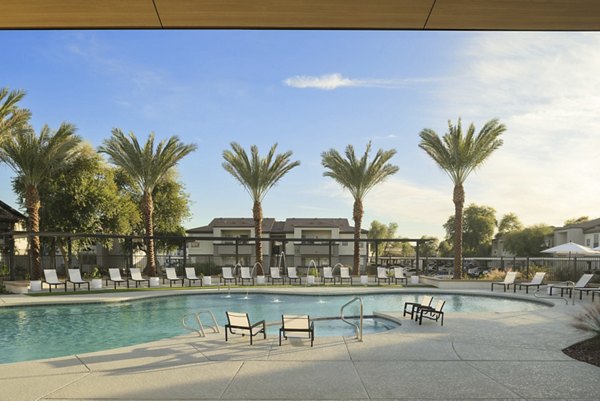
[148, 205]
[32, 203]
[357, 216]
[459, 201]
[257, 215]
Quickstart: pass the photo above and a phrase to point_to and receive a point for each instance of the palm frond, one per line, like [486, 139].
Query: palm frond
[459, 155]
[358, 175]
[11, 116]
[35, 158]
[145, 164]
[255, 173]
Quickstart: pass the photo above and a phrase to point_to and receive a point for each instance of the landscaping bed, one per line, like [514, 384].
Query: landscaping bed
[586, 351]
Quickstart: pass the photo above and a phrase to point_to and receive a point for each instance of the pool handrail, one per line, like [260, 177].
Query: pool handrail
[358, 328]
[200, 329]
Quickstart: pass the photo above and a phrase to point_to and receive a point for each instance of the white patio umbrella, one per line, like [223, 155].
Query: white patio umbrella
[571, 249]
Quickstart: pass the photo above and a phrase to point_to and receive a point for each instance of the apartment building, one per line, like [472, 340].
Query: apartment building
[299, 239]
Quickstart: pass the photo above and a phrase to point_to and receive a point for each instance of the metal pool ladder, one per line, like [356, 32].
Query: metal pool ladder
[358, 328]
[200, 329]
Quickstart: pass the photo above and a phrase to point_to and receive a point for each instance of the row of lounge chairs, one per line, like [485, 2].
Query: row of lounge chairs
[74, 277]
[239, 323]
[228, 277]
[581, 285]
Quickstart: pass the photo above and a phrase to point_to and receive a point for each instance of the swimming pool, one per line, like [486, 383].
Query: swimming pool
[38, 332]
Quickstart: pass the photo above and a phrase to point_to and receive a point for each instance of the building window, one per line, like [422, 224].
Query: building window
[588, 242]
[596, 240]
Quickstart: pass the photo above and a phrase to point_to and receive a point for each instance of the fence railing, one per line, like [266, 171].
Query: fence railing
[557, 268]
[208, 254]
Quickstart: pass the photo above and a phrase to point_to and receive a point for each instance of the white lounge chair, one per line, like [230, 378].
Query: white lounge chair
[246, 274]
[399, 275]
[328, 274]
[292, 275]
[345, 275]
[171, 275]
[416, 306]
[580, 286]
[275, 275]
[536, 281]
[509, 280]
[382, 275]
[190, 275]
[432, 313]
[136, 277]
[239, 323]
[76, 280]
[52, 279]
[115, 277]
[227, 275]
[297, 324]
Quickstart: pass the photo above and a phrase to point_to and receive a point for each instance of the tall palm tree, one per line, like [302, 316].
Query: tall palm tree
[358, 176]
[146, 167]
[36, 159]
[257, 175]
[458, 155]
[11, 116]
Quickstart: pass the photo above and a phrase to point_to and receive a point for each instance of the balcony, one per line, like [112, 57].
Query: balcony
[229, 249]
[316, 249]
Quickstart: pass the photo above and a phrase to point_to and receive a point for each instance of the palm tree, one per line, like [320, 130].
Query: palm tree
[358, 176]
[146, 167]
[36, 159]
[11, 116]
[257, 175]
[458, 155]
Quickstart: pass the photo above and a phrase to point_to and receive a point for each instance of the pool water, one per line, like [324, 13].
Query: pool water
[38, 332]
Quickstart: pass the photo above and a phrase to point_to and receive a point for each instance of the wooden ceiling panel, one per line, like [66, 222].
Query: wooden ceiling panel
[303, 14]
[315, 14]
[582, 15]
[24, 14]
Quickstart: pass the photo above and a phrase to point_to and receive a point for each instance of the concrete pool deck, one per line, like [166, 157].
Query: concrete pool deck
[474, 356]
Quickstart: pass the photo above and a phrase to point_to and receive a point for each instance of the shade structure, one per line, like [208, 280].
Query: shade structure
[572, 249]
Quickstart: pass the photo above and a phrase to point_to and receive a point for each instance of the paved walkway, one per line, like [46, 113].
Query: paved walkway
[474, 356]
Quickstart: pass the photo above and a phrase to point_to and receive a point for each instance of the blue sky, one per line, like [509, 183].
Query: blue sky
[314, 90]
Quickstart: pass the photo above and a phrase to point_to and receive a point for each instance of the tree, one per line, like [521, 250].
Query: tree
[358, 176]
[83, 198]
[509, 222]
[257, 175]
[577, 220]
[381, 231]
[11, 116]
[529, 241]
[428, 248]
[146, 167]
[171, 208]
[36, 159]
[458, 155]
[479, 223]
[444, 249]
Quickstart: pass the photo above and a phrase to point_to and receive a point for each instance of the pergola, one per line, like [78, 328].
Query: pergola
[559, 15]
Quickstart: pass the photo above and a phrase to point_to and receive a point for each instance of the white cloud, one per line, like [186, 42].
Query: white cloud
[324, 82]
[337, 80]
[546, 89]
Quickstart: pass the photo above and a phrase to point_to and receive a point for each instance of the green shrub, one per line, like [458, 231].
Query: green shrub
[589, 320]
[4, 270]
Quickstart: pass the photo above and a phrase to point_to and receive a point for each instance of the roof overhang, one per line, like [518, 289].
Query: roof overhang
[559, 15]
